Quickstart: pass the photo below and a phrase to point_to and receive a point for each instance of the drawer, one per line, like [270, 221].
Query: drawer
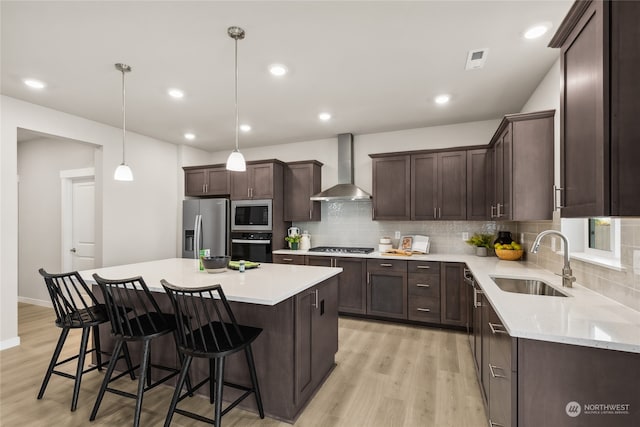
[387, 264]
[424, 309]
[424, 267]
[426, 285]
[288, 259]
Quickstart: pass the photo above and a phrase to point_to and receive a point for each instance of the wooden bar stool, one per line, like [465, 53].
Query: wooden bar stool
[76, 308]
[142, 323]
[208, 329]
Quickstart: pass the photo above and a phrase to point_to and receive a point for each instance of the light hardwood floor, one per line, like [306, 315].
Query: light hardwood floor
[386, 375]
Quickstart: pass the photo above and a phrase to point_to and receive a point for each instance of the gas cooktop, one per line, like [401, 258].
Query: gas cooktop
[341, 250]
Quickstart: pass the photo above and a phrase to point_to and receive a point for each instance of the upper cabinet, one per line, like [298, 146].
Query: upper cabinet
[301, 181]
[261, 180]
[392, 188]
[523, 167]
[479, 184]
[599, 54]
[202, 181]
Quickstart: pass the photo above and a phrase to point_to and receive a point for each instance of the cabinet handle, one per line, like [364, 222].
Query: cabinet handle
[556, 191]
[423, 285]
[203, 190]
[476, 292]
[206, 188]
[493, 373]
[310, 214]
[287, 259]
[248, 192]
[315, 302]
[497, 328]
[435, 211]
[498, 214]
[368, 277]
[493, 209]
[385, 265]
[439, 213]
[424, 267]
[492, 424]
[426, 310]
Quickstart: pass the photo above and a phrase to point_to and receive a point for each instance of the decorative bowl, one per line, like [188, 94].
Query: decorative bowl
[509, 254]
[215, 264]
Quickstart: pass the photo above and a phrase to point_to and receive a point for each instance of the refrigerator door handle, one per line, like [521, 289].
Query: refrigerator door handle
[196, 232]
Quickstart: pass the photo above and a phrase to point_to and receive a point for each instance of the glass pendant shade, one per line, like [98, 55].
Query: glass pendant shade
[235, 162]
[123, 173]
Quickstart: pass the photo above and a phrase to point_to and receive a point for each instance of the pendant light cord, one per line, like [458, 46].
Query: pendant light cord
[236, 90]
[123, 116]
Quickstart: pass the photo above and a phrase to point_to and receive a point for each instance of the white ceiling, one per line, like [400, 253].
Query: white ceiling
[376, 66]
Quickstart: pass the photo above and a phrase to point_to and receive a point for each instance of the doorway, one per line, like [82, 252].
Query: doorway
[78, 219]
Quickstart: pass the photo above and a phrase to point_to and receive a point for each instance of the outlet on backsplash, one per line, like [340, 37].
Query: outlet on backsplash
[397, 235]
[465, 236]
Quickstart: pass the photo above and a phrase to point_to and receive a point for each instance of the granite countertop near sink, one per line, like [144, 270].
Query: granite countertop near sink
[583, 318]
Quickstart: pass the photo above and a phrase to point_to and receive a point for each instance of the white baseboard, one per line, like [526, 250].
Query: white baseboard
[33, 301]
[11, 342]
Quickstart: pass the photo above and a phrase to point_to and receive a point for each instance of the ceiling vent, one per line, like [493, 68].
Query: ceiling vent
[476, 59]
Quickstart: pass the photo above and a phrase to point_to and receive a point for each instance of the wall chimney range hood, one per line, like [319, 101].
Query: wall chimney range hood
[345, 189]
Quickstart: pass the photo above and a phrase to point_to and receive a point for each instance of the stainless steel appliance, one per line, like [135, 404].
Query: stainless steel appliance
[341, 250]
[249, 246]
[251, 215]
[205, 225]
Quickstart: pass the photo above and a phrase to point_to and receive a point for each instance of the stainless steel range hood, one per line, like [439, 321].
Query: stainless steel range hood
[345, 189]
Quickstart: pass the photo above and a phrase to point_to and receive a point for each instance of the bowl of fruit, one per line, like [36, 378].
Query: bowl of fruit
[508, 252]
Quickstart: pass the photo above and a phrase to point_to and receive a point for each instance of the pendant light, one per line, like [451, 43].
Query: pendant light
[235, 161]
[123, 172]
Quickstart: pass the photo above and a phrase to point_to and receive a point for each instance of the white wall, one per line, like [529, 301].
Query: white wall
[39, 208]
[138, 218]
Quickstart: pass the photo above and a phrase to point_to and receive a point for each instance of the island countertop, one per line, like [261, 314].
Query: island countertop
[269, 284]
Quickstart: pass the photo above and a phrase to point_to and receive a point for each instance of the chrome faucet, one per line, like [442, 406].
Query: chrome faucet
[567, 274]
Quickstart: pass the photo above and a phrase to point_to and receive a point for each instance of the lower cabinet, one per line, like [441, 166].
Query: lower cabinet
[424, 291]
[289, 259]
[352, 288]
[502, 376]
[453, 295]
[316, 336]
[387, 288]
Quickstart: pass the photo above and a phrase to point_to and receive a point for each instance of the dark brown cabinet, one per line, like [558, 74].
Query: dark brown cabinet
[288, 259]
[424, 291]
[202, 181]
[479, 184]
[599, 125]
[523, 167]
[261, 180]
[392, 188]
[352, 286]
[502, 373]
[316, 336]
[387, 288]
[301, 181]
[453, 295]
[438, 186]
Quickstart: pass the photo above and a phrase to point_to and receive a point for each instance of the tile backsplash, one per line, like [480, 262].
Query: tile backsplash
[622, 286]
[349, 223]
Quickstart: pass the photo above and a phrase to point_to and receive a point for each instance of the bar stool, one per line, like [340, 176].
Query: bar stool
[208, 329]
[142, 323]
[76, 308]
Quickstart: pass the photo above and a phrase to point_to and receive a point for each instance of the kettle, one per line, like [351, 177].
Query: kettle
[293, 231]
[305, 241]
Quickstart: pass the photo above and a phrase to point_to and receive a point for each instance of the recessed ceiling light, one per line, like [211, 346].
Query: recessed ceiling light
[324, 116]
[35, 84]
[189, 136]
[176, 93]
[278, 70]
[245, 128]
[537, 31]
[442, 99]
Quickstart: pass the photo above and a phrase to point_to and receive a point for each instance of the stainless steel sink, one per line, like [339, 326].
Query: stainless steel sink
[527, 286]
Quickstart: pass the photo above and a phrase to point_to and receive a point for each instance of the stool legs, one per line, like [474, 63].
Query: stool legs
[254, 379]
[219, 387]
[107, 376]
[54, 360]
[145, 377]
[184, 374]
[80, 367]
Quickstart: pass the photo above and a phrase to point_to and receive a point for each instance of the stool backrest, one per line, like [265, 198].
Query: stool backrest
[130, 305]
[70, 295]
[204, 318]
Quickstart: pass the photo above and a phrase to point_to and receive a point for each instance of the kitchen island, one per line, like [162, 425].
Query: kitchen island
[296, 306]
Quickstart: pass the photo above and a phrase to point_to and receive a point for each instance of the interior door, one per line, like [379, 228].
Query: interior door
[83, 225]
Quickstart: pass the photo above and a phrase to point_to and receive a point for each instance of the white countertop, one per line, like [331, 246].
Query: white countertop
[269, 284]
[583, 318]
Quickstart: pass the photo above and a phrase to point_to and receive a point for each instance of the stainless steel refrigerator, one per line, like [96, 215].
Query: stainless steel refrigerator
[205, 225]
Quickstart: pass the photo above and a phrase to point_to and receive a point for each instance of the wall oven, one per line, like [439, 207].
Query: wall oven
[251, 215]
[251, 246]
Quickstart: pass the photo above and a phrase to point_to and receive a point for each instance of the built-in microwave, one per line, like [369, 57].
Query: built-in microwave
[251, 215]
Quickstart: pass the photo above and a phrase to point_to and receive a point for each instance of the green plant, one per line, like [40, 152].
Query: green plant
[293, 239]
[481, 240]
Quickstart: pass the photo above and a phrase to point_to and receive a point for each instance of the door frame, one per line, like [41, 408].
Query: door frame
[67, 178]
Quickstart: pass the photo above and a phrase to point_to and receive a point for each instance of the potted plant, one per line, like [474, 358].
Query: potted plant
[482, 242]
[294, 241]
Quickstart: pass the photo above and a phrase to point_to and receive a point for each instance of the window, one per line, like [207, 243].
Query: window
[594, 240]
